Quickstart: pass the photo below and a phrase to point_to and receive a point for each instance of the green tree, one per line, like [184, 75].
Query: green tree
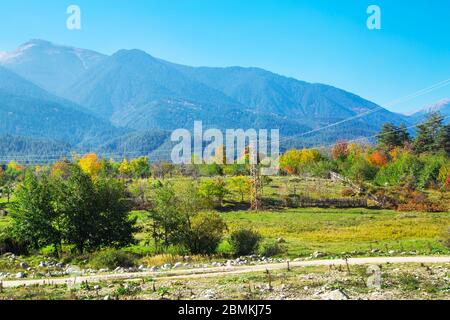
[94, 213]
[240, 185]
[189, 201]
[214, 190]
[443, 139]
[77, 210]
[404, 136]
[391, 136]
[428, 133]
[168, 224]
[140, 167]
[207, 230]
[211, 170]
[360, 170]
[34, 218]
[406, 167]
[245, 241]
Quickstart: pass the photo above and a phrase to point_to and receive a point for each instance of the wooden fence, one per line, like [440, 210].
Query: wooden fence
[306, 202]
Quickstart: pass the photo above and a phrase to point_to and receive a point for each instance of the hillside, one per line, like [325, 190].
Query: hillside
[28, 111]
[136, 90]
[52, 67]
[108, 102]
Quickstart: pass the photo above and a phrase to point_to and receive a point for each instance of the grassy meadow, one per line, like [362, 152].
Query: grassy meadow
[303, 231]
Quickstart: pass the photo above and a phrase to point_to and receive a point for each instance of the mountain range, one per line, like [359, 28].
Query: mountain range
[442, 106]
[66, 99]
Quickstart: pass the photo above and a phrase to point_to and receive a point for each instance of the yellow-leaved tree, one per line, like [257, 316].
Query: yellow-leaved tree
[90, 164]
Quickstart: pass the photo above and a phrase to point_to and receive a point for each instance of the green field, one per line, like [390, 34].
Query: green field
[335, 231]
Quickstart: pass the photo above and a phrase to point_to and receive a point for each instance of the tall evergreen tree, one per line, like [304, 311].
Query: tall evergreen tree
[428, 133]
[389, 136]
[404, 135]
[443, 140]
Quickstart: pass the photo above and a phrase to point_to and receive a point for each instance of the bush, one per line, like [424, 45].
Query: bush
[429, 176]
[271, 249]
[360, 170]
[112, 258]
[245, 242]
[418, 201]
[8, 243]
[407, 166]
[348, 193]
[207, 229]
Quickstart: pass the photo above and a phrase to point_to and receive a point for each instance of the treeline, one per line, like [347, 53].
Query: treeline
[397, 158]
[79, 207]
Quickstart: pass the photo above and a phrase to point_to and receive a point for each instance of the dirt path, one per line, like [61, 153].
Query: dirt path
[222, 271]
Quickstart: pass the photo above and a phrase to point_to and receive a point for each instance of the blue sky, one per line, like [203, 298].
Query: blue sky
[323, 41]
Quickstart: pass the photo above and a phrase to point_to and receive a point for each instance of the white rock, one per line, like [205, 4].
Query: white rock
[335, 295]
[318, 254]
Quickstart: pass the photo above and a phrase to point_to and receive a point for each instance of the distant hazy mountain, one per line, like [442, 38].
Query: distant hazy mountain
[32, 149]
[28, 111]
[136, 90]
[50, 66]
[314, 105]
[129, 102]
[442, 106]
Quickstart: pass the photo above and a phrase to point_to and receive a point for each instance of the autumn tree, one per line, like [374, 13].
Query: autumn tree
[293, 161]
[90, 164]
[377, 159]
[340, 150]
[60, 169]
[14, 170]
[125, 169]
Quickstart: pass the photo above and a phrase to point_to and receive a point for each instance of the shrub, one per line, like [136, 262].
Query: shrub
[112, 258]
[360, 170]
[405, 167]
[207, 229]
[245, 241]
[348, 193]
[9, 243]
[271, 249]
[418, 201]
[429, 176]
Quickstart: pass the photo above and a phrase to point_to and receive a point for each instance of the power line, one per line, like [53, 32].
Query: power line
[390, 104]
[380, 134]
[53, 157]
